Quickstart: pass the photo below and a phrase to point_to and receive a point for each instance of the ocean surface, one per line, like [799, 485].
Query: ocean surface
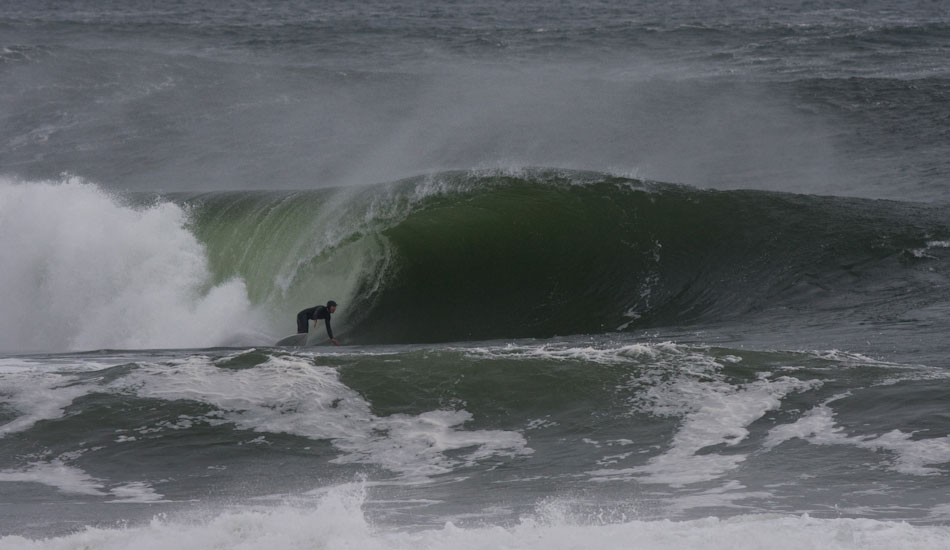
[610, 274]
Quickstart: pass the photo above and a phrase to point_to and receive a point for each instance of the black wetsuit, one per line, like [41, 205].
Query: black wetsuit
[313, 313]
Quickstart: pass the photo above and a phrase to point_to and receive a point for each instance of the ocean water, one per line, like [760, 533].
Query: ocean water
[611, 274]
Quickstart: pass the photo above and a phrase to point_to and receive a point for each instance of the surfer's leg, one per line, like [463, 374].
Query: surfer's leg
[302, 324]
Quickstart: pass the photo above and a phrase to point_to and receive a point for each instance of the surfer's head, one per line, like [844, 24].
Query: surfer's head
[331, 305]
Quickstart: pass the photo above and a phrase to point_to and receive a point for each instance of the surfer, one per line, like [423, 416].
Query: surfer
[316, 313]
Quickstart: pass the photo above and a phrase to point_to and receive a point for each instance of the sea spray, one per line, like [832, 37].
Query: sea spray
[81, 270]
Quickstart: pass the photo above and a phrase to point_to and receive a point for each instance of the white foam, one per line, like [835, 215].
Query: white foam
[37, 396]
[69, 479]
[289, 394]
[56, 474]
[79, 270]
[604, 354]
[9, 365]
[135, 492]
[34, 392]
[337, 521]
[941, 513]
[914, 457]
[686, 382]
[682, 381]
[12, 365]
[729, 495]
[716, 413]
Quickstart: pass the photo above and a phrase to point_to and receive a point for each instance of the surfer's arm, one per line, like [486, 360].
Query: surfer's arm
[330, 333]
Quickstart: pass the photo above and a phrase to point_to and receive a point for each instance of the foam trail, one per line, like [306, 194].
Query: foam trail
[912, 456]
[82, 271]
[36, 396]
[64, 478]
[338, 521]
[288, 394]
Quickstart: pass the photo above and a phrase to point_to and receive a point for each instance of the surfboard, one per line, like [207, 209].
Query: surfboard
[293, 340]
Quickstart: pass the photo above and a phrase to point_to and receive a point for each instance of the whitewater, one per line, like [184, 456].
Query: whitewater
[617, 275]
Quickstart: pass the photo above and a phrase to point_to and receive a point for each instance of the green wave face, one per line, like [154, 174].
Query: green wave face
[293, 250]
[461, 256]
